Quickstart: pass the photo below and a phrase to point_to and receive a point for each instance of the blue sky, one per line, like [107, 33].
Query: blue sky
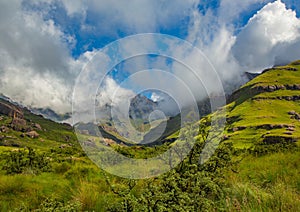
[44, 44]
[97, 38]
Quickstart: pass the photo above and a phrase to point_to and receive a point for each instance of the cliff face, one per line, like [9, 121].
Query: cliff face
[11, 110]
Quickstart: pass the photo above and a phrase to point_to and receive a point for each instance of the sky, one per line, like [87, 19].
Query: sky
[45, 44]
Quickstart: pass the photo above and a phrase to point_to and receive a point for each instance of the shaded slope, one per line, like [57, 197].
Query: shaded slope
[20, 128]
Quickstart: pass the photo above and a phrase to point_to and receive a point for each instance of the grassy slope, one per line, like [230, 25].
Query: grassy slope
[266, 183]
[252, 111]
[270, 182]
[73, 179]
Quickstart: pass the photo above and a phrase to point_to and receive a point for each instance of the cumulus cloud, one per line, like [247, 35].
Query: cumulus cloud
[38, 69]
[269, 38]
[35, 65]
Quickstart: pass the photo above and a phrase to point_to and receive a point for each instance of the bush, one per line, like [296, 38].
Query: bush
[188, 187]
[53, 205]
[22, 160]
[61, 168]
[264, 149]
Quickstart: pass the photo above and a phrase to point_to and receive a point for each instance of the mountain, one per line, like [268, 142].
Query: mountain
[51, 114]
[45, 112]
[255, 167]
[20, 127]
[141, 107]
[139, 112]
[266, 109]
[263, 128]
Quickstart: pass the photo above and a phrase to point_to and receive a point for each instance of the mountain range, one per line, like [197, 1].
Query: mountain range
[42, 163]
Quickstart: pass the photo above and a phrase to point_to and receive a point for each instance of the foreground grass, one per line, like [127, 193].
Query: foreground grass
[266, 183]
[270, 182]
[257, 183]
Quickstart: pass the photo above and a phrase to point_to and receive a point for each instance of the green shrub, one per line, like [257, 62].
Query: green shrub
[61, 168]
[264, 149]
[22, 160]
[189, 187]
[53, 205]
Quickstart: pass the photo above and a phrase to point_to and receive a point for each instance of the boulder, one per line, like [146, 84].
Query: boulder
[89, 143]
[109, 142]
[4, 129]
[37, 126]
[18, 121]
[32, 134]
[294, 115]
[225, 137]
[63, 146]
[290, 129]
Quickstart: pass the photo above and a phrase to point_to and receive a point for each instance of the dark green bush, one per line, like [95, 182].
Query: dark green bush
[53, 205]
[18, 161]
[264, 149]
[189, 187]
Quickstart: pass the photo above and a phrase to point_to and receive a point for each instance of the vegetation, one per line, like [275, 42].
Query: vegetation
[255, 168]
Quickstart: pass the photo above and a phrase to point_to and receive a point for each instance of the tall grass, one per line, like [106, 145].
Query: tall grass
[268, 183]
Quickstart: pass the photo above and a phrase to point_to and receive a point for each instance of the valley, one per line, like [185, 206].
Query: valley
[255, 168]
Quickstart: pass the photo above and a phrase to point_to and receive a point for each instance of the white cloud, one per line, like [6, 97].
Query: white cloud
[273, 30]
[133, 16]
[75, 7]
[37, 69]
[112, 94]
[35, 64]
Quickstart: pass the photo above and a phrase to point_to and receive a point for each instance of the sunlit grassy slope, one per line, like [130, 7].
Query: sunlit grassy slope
[264, 106]
[262, 110]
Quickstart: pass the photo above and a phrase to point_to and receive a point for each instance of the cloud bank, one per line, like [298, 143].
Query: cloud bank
[38, 40]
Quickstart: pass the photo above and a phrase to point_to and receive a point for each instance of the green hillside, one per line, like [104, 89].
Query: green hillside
[266, 109]
[263, 117]
[255, 168]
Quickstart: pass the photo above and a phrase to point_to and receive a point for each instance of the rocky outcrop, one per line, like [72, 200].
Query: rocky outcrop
[287, 98]
[18, 124]
[32, 134]
[16, 113]
[254, 90]
[275, 126]
[294, 115]
[11, 110]
[278, 139]
[271, 88]
[288, 127]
